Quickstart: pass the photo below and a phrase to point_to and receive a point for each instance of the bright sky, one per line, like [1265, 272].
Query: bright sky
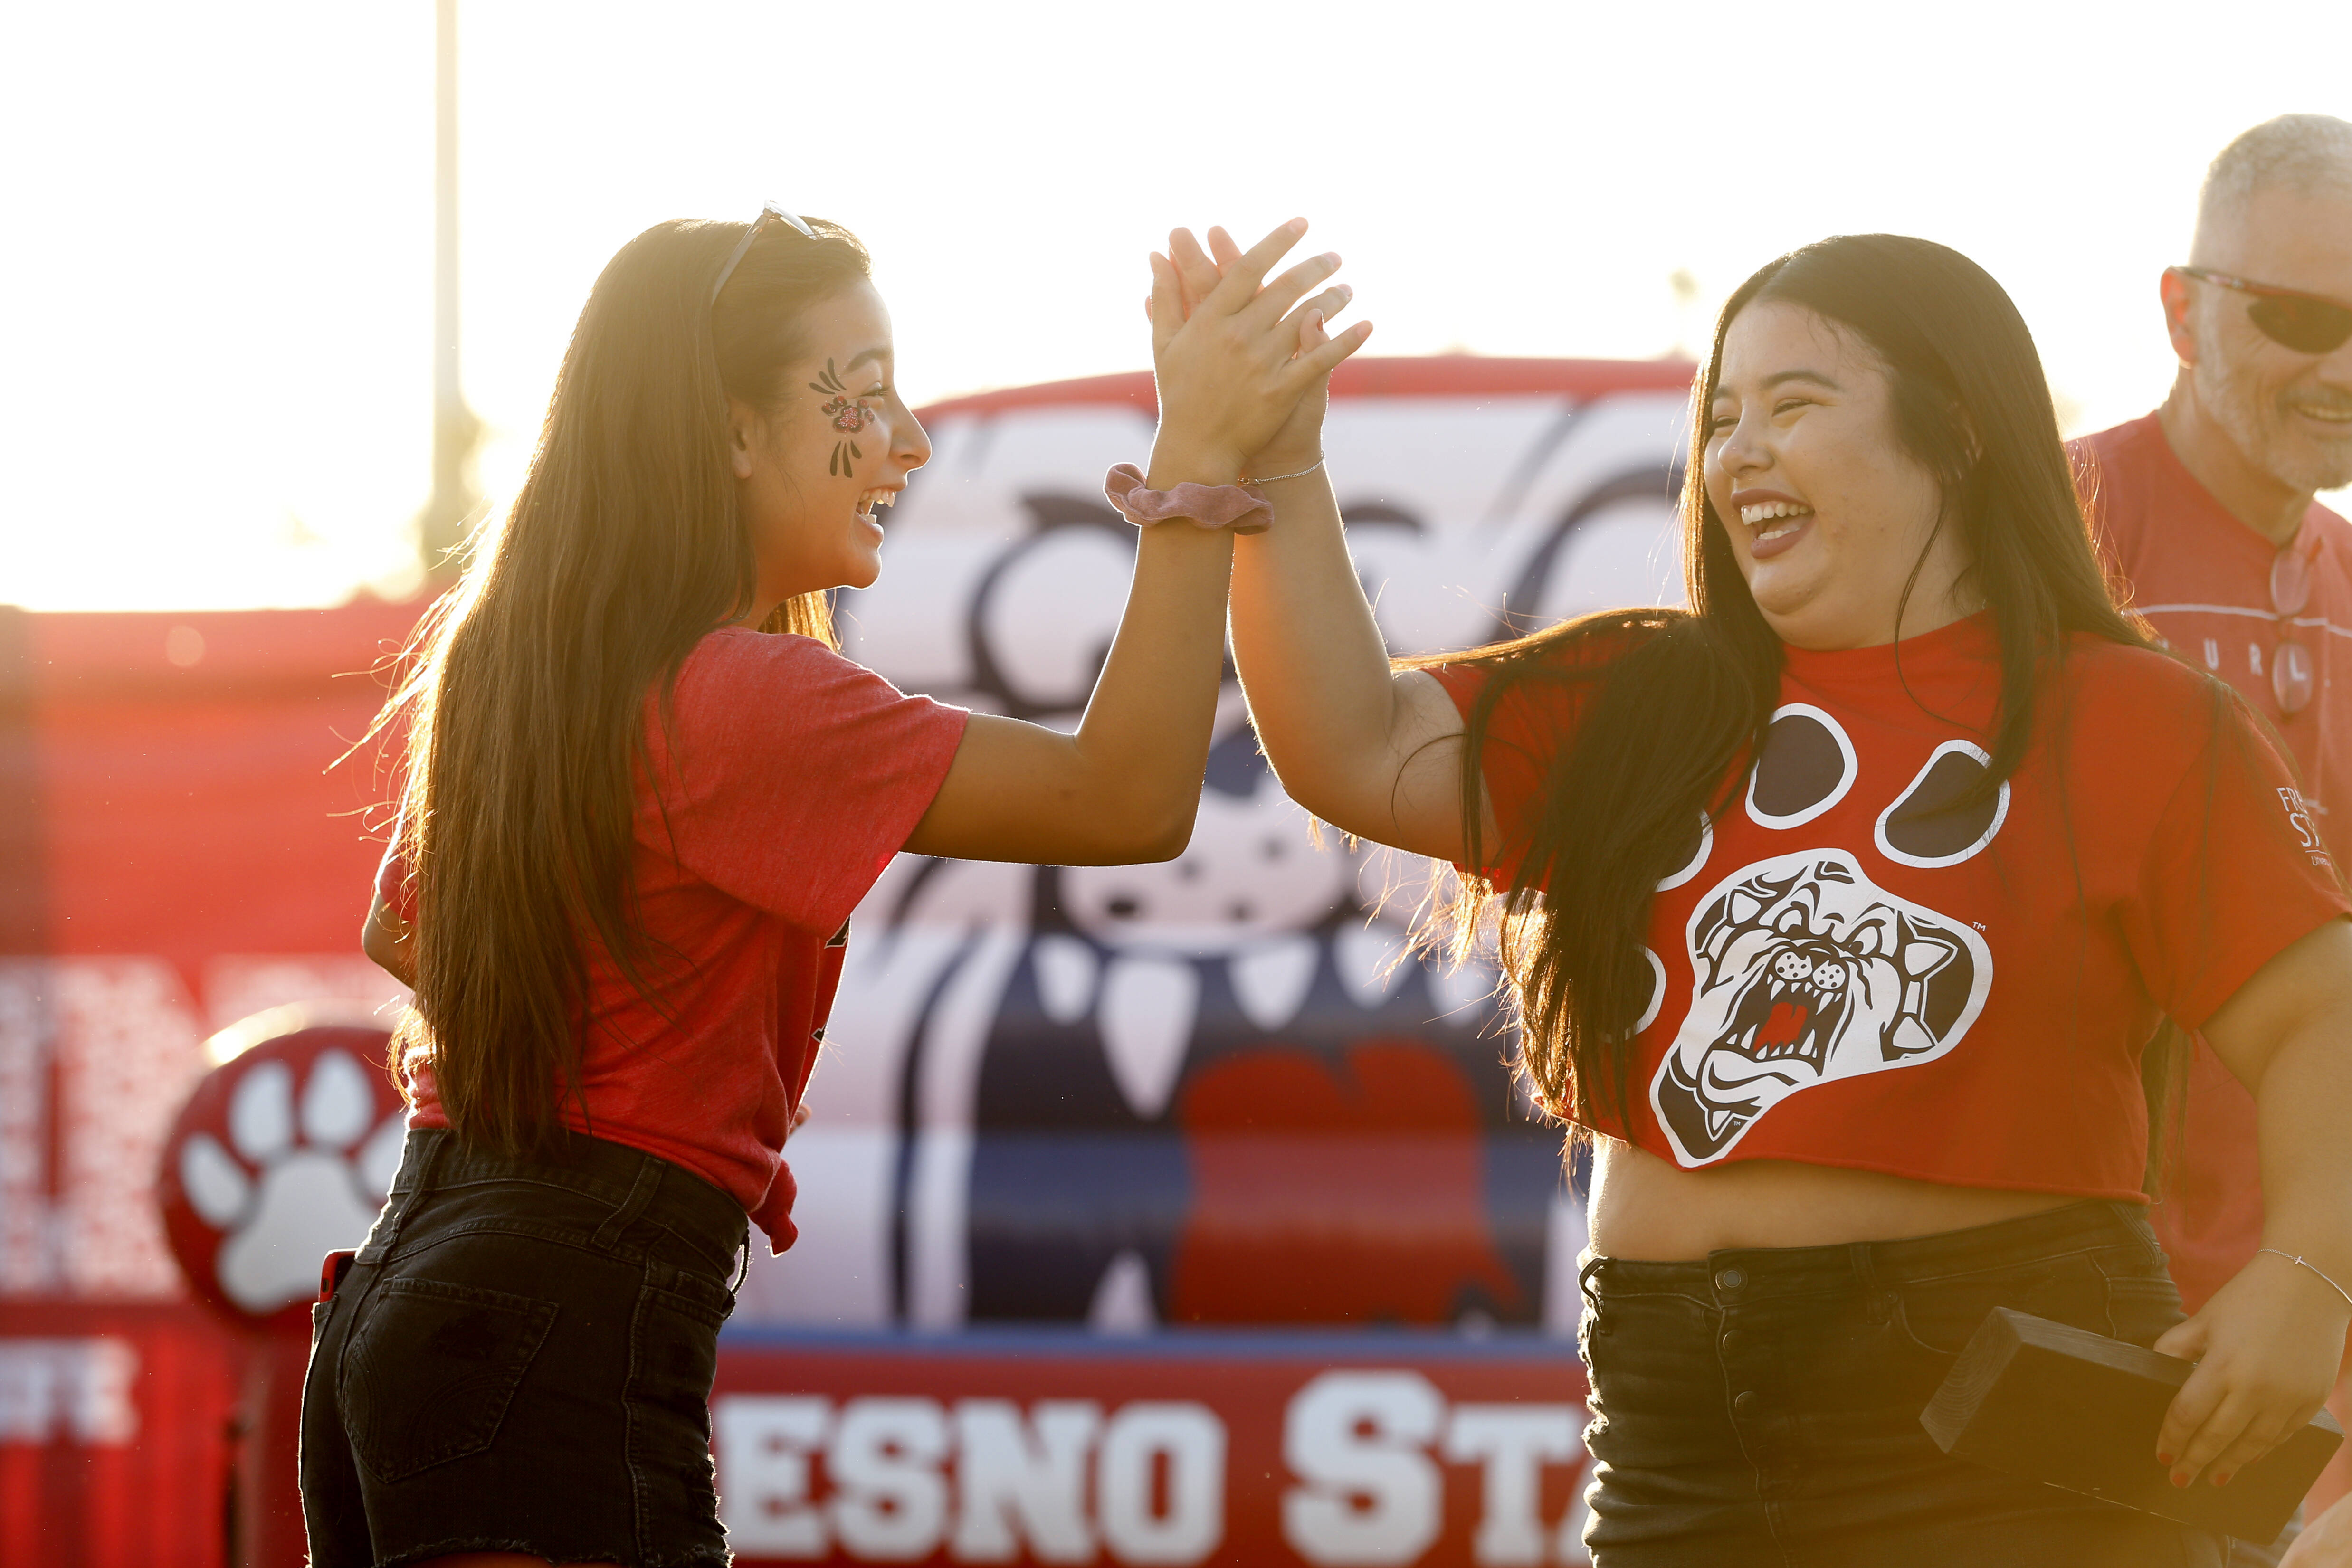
[217, 368]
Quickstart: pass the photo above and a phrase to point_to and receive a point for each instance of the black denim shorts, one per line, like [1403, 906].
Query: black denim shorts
[1763, 1406]
[520, 1360]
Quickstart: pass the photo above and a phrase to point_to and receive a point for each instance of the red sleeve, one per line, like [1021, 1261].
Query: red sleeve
[790, 774]
[2234, 874]
[1530, 725]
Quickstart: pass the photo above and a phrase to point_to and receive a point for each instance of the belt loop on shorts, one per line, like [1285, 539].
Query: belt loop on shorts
[1584, 1281]
[2132, 1219]
[1878, 1304]
[434, 1140]
[641, 1193]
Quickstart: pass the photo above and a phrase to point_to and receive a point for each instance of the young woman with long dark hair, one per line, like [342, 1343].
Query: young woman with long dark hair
[1837, 910]
[642, 792]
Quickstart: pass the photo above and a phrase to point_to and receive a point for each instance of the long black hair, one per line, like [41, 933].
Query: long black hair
[1675, 701]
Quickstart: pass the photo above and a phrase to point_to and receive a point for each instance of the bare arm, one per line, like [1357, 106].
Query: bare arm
[1371, 752]
[2268, 1343]
[1126, 785]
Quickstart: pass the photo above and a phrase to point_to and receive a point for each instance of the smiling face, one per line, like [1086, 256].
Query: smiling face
[2288, 414]
[812, 471]
[1826, 510]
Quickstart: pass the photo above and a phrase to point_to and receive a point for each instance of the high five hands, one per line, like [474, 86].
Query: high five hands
[1243, 376]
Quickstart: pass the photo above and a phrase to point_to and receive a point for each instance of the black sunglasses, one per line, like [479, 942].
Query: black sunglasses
[735, 256]
[2307, 323]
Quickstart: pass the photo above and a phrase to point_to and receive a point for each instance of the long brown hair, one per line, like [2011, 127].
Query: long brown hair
[524, 690]
[1677, 700]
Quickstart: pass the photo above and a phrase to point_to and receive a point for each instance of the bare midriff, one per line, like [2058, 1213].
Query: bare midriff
[1647, 1208]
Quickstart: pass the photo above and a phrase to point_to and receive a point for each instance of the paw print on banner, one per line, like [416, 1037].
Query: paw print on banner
[307, 1174]
[284, 1154]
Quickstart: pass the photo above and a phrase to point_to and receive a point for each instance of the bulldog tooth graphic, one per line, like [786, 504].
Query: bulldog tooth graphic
[1804, 971]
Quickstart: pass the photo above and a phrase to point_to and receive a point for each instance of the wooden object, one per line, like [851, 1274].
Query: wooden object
[2079, 1411]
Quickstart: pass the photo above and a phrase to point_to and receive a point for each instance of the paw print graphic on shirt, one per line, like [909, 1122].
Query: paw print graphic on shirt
[304, 1169]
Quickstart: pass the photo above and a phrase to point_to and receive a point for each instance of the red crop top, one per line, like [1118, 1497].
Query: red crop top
[1845, 979]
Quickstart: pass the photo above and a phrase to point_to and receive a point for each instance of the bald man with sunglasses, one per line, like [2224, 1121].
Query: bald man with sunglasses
[2205, 509]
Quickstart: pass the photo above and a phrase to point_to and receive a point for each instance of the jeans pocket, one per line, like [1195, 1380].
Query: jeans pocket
[429, 1369]
[2141, 1307]
[1942, 1315]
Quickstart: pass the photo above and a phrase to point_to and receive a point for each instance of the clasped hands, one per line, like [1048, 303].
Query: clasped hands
[1243, 368]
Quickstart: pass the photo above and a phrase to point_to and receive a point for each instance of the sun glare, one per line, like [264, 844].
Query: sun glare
[219, 388]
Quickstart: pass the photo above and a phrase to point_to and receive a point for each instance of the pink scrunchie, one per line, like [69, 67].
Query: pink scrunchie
[1236, 506]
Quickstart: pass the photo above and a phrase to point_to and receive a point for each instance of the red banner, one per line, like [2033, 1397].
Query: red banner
[117, 1434]
[1232, 1449]
[122, 1433]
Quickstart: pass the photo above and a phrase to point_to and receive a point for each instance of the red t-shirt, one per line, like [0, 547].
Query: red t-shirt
[2202, 579]
[1845, 979]
[788, 778]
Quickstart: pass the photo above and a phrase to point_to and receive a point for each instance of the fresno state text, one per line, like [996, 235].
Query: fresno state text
[1172, 1458]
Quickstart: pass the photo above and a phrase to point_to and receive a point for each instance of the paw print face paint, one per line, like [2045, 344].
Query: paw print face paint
[849, 415]
[283, 1156]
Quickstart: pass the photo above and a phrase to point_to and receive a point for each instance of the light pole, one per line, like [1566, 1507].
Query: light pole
[442, 527]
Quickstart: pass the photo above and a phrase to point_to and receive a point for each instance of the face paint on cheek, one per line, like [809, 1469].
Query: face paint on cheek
[848, 416]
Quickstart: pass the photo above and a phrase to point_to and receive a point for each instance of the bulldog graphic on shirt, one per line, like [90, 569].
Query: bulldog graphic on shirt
[1805, 971]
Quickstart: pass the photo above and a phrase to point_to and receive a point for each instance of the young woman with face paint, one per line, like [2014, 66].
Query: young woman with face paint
[643, 791]
[1837, 910]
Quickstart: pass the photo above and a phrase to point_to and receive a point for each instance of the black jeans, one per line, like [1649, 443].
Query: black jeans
[520, 1360]
[1763, 1406]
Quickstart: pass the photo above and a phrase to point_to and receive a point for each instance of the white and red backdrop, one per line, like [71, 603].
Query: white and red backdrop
[1169, 1215]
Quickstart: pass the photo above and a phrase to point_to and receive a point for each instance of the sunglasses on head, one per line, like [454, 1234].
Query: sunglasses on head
[2307, 323]
[735, 256]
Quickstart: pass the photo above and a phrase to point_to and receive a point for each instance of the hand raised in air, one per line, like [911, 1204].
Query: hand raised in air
[1235, 360]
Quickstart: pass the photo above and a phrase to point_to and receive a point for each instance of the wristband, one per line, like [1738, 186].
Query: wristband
[1270, 478]
[1235, 506]
[2302, 1262]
